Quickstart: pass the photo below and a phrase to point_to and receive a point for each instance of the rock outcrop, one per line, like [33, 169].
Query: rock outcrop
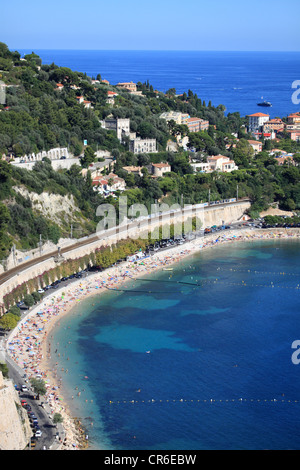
[15, 431]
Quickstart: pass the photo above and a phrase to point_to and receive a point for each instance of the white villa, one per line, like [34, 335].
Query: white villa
[215, 163]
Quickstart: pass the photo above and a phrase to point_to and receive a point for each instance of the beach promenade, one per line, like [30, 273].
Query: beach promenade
[28, 344]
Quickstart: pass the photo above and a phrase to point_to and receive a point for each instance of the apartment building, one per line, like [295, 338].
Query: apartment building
[257, 120]
[139, 145]
[196, 124]
[119, 125]
[294, 118]
[276, 125]
[294, 134]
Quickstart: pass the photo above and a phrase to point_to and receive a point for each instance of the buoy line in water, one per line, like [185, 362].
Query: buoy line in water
[201, 284]
[244, 270]
[254, 271]
[209, 401]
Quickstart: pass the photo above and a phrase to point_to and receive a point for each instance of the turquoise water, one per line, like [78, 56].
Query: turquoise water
[195, 359]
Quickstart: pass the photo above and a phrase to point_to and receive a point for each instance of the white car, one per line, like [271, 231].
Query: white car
[38, 433]
[24, 388]
[41, 291]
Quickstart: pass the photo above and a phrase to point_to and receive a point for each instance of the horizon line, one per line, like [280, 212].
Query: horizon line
[156, 50]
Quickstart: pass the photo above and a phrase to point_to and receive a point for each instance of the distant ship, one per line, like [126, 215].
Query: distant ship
[266, 104]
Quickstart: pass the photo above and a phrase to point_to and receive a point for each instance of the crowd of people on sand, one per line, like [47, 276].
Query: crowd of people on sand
[28, 345]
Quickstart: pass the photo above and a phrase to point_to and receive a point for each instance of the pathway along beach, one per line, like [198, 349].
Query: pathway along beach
[28, 344]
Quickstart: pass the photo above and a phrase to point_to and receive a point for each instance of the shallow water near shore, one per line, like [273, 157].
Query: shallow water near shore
[192, 358]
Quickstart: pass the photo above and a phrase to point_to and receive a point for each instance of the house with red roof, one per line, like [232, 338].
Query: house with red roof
[256, 121]
[276, 125]
[111, 97]
[159, 169]
[294, 118]
[108, 184]
[221, 163]
[256, 145]
[196, 124]
[87, 104]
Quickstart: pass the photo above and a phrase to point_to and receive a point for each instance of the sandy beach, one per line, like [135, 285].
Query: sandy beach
[28, 345]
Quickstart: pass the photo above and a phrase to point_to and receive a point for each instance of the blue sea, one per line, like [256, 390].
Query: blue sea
[195, 358]
[237, 80]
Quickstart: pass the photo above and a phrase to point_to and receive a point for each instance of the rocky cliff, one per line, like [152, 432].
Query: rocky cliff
[15, 431]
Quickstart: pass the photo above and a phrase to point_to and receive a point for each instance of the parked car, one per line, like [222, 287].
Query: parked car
[38, 433]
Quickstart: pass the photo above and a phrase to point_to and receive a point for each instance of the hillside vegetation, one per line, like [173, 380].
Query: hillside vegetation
[38, 116]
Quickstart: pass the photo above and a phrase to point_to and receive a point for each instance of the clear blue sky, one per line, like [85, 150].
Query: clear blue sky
[152, 24]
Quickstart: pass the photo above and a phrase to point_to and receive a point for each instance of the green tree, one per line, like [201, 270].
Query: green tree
[57, 418]
[33, 58]
[15, 311]
[36, 296]
[28, 300]
[89, 157]
[8, 321]
[38, 386]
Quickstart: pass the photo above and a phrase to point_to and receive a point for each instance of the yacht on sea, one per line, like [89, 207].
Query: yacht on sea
[266, 104]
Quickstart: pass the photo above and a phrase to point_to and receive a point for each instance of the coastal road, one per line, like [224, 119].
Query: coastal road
[142, 223]
[45, 423]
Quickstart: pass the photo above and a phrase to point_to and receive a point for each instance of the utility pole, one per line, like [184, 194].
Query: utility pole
[209, 196]
[71, 231]
[237, 192]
